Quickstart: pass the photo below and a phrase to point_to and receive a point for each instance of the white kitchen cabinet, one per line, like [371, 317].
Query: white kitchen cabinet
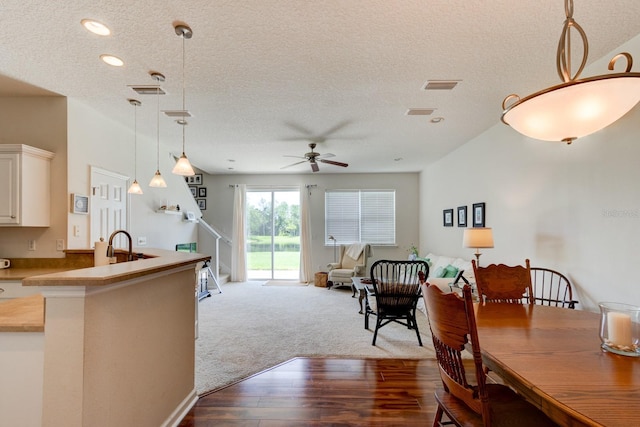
[25, 186]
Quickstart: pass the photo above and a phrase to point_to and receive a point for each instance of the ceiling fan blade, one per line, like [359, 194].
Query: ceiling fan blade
[295, 157]
[332, 162]
[293, 164]
[324, 156]
[314, 167]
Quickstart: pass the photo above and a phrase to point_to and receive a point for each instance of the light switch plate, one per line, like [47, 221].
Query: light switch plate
[59, 244]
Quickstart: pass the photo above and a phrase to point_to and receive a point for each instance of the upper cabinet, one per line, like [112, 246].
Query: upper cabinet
[24, 186]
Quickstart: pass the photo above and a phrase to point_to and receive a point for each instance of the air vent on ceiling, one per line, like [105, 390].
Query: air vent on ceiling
[177, 113]
[420, 111]
[147, 89]
[441, 84]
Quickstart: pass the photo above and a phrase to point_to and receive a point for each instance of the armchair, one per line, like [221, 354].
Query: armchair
[352, 262]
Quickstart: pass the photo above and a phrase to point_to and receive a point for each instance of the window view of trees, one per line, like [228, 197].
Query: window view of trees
[273, 229]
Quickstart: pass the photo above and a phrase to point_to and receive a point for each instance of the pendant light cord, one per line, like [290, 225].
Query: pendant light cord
[158, 128]
[184, 120]
[135, 142]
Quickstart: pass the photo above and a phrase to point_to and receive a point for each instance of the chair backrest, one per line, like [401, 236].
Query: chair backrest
[397, 283]
[551, 288]
[453, 326]
[504, 283]
[354, 254]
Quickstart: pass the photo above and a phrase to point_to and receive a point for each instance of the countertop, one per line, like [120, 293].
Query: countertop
[159, 260]
[24, 314]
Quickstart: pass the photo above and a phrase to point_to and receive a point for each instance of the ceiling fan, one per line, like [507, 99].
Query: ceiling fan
[314, 157]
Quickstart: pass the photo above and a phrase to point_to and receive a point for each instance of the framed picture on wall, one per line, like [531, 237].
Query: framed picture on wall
[202, 204]
[478, 214]
[462, 216]
[194, 191]
[447, 217]
[202, 191]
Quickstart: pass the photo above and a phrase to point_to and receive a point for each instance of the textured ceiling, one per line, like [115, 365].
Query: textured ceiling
[266, 77]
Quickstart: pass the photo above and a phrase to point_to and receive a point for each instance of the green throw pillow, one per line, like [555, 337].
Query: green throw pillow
[439, 272]
[450, 271]
[427, 260]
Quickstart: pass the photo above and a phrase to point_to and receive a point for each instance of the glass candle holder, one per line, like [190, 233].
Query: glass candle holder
[620, 328]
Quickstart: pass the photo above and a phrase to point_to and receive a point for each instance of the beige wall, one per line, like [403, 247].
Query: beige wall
[39, 122]
[220, 213]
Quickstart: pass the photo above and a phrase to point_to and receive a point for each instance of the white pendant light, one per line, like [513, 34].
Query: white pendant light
[135, 187]
[577, 107]
[183, 166]
[157, 180]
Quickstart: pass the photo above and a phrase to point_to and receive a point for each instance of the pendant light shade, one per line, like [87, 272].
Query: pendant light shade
[157, 180]
[135, 187]
[183, 166]
[577, 107]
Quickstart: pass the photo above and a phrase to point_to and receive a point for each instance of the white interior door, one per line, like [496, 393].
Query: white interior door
[109, 205]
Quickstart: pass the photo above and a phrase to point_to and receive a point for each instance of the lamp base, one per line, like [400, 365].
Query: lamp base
[477, 254]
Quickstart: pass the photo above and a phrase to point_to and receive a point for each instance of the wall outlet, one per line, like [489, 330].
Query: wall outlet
[142, 241]
[59, 244]
[32, 245]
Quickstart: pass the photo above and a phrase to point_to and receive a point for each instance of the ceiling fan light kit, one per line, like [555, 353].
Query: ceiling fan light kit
[576, 107]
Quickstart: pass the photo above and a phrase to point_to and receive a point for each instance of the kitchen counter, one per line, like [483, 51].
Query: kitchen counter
[96, 333]
[154, 261]
[24, 314]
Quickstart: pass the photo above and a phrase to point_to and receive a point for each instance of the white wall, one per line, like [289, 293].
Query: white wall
[219, 212]
[95, 140]
[574, 208]
[81, 137]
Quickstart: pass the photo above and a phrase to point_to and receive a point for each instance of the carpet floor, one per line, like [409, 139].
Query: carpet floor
[250, 327]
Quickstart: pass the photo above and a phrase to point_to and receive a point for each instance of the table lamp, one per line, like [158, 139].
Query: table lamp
[477, 237]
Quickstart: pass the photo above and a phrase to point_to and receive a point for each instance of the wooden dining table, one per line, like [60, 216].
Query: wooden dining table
[553, 357]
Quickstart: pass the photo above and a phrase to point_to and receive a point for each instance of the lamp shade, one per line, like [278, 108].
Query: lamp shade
[183, 167]
[477, 237]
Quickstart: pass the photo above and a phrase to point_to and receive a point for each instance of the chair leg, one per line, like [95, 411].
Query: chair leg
[375, 333]
[438, 418]
[415, 325]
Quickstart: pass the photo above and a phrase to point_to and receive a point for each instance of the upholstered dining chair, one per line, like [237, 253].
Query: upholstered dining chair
[352, 262]
[552, 288]
[467, 399]
[504, 283]
[394, 293]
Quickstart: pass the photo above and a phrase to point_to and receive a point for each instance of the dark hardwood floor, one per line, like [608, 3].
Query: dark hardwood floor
[325, 392]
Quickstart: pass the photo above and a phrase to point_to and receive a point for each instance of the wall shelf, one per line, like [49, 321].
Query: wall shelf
[169, 212]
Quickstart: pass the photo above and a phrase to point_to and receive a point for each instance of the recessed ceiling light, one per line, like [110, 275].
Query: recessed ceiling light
[437, 120]
[96, 27]
[112, 60]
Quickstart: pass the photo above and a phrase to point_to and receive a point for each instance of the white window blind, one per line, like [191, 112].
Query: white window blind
[367, 216]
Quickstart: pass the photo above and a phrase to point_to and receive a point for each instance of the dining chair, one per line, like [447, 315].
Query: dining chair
[468, 399]
[504, 283]
[394, 293]
[551, 288]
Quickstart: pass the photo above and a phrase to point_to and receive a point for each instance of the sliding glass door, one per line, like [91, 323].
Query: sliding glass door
[273, 241]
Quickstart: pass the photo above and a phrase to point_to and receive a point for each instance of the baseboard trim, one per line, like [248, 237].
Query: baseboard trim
[181, 411]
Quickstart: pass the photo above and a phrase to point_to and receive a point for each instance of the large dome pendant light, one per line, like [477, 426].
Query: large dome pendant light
[577, 107]
[183, 167]
[157, 180]
[135, 187]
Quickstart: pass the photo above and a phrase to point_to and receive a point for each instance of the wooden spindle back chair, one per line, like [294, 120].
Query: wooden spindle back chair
[551, 288]
[504, 283]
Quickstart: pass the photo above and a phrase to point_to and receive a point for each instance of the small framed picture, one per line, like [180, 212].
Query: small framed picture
[194, 191]
[194, 180]
[202, 204]
[447, 217]
[462, 216]
[202, 191]
[478, 214]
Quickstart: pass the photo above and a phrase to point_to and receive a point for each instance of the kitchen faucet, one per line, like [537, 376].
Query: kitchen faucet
[110, 252]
